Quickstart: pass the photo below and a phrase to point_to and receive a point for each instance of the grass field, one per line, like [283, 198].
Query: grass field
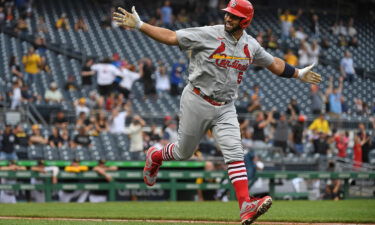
[354, 211]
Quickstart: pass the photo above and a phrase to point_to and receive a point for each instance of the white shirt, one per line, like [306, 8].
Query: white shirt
[80, 108]
[300, 35]
[347, 64]
[128, 78]
[55, 96]
[314, 55]
[303, 57]
[136, 138]
[118, 123]
[106, 73]
[162, 82]
[16, 98]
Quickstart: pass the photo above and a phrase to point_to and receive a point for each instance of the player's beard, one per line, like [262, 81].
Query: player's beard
[233, 30]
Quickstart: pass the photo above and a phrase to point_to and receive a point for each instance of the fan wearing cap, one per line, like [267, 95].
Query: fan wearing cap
[219, 57]
[53, 94]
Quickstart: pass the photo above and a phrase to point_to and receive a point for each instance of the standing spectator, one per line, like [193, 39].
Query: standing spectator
[321, 145]
[8, 140]
[335, 98]
[287, 19]
[316, 97]
[16, 95]
[291, 58]
[135, 133]
[31, 61]
[54, 140]
[314, 52]
[166, 14]
[36, 137]
[293, 107]
[53, 94]
[14, 68]
[300, 34]
[256, 96]
[365, 141]
[347, 67]
[129, 76]
[357, 152]
[303, 54]
[62, 22]
[341, 141]
[87, 74]
[163, 83]
[106, 74]
[148, 82]
[177, 72]
[342, 29]
[281, 132]
[261, 123]
[117, 120]
[81, 25]
[170, 132]
[315, 27]
[297, 134]
[82, 138]
[101, 122]
[320, 125]
[80, 106]
[352, 32]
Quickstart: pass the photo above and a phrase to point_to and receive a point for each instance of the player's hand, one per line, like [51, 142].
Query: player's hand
[124, 18]
[308, 76]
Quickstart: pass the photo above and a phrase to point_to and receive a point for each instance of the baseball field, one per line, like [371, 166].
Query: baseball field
[112, 213]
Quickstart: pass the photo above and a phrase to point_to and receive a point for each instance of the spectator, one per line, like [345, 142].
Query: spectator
[365, 141]
[9, 14]
[2, 16]
[106, 74]
[44, 66]
[335, 29]
[40, 45]
[252, 163]
[37, 195]
[81, 195]
[65, 138]
[300, 34]
[352, 32]
[53, 94]
[297, 134]
[36, 137]
[287, 19]
[101, 122]
[41, 26]
[315, 27]
[22, 137]
[80, 106]
[170, 132]
[87, 74]
[256, 96]
[60, 120]
[166, 14]
[148, 82]
[341, 143]
[80, 25]
[54, 140]
[163, 83]
[316, 97]
[129, 76]
[325, 43]
[333, 186]
[31, 61]
[321, 145]
[102, 169]
[21, 26]
[8, 140]
[353, 42]
[320, 125]
[9, 196]
[177, 72]
[261, 123]
[347, 67]
[293, 107]
[14, 68]
[260, 38]
[135, 133]
[342, 29]
[281, 132]
[117, 120]
[82, 138]
[291, 58]
[83, 120]
[62, 22]
[16, 95]
[342, 42]
[28, 96]
[303, 54]
[70, 84]
[272, 42]
[335, 98]
[314, 52]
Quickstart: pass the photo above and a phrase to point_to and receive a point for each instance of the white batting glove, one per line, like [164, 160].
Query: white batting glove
[308, 76]
[127, 19]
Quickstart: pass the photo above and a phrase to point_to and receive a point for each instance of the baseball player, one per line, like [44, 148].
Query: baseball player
[219, 58]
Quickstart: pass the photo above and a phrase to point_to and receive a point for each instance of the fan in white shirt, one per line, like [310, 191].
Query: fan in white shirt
[162, 80]
[118, 119]
[128, 78]
[106, 74]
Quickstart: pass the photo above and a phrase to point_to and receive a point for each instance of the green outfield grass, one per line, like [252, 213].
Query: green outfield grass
[293, 211]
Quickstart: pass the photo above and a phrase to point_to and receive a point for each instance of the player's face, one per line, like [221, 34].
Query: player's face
[231, 23]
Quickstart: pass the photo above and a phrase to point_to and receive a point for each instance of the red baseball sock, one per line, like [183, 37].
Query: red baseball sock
[238, 177]
[166, 154]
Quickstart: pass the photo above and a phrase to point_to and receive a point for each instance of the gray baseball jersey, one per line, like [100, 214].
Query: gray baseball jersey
[217, 65]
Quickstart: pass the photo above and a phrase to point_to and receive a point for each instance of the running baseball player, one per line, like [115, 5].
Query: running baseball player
[219, 58]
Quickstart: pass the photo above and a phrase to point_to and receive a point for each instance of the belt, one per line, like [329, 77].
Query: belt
[208, 98]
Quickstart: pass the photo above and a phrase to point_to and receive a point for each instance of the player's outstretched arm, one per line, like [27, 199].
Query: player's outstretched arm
[281, 68]
[132, 20]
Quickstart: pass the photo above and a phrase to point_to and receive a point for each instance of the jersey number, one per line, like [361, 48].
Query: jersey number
[239, 77]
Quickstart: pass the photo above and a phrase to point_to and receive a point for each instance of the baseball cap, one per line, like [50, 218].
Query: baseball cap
[53, 85]
[302, 118]
[82, 100]
[35, 127]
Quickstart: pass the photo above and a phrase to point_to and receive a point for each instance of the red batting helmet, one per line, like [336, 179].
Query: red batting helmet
[243, 9]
